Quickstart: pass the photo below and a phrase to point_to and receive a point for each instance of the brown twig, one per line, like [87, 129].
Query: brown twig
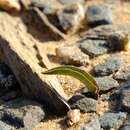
[50, 25]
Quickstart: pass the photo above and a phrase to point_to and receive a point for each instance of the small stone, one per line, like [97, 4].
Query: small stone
[7, 79]
[123, 74]
[70, 17]
[85, 105]
[112, 120]
[106, 83]
[94, 47]
[125, 97]
[126, 127]
[118, 41]
[99, 15]
[4, 126]
[71, 1]
[75, 98]
[22, 113]
[72, 55]
[108, 67]
[73, 117]
[92, 125]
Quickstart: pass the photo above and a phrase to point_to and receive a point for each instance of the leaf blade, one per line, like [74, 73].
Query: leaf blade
[79, 74]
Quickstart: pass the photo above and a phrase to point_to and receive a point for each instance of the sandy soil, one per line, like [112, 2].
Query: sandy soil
[121, 11]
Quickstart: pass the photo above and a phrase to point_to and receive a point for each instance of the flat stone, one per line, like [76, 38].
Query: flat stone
[85, 105]
[106, 83]
[126, 127]
[7, 79]
[98, 15]
[71, 1]
[125, 97]
[118, 41]
[108, 67]
[22, 113]
[112, 120]
[92, 125]
[75, 98]
[70, 17]
[72, 55]
[123, 74]
[94, 47]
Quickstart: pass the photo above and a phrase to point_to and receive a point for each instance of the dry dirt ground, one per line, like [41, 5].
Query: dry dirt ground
[121, 12]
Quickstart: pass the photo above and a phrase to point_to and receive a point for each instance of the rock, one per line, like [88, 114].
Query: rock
[99, 15]
[118, 41]
[7, 79]
[112, 120]
[75, 98]
[10, 6]
[126, 127]
[85, 105]
[92, 125]
[72, 55]
[106, 83]
[22, 113]
[4, 126]
[70, 17]
[108, 67]
[94, 47]
[125, 97]
[123, 74]
[71, 1]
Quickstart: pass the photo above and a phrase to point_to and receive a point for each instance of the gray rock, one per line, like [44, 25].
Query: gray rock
[92, 125]
[7, 79]
[75, 98]
[112, 120]
[106, 83]
[108, 67]
[126, 127]
[85, 105]
[4, 126]
[123, 74]
[125, 97]
[99, 15]
[70, 17]
[72, 55]
[118, 41]
[22, 113]
[71, 1]
[94, 47]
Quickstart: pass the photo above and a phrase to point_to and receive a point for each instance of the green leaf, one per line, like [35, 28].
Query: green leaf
[79, 74]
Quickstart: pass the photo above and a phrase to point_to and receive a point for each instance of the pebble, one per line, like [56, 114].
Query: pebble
[72, 55]
[70, 17]
[71, 1]
[123, 74]
[118, 41]
[85, 105]
[22, 113]
[126, 127]
[7, 79]
[112, 120]
[125, 97]
[106, 83]
[110, 66]
[92, 125]
[99, 15]
[94, 47]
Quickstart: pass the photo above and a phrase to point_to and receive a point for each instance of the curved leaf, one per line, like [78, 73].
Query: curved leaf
[79, 74]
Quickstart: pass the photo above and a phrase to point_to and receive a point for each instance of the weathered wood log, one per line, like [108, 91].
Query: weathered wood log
[19, 50]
